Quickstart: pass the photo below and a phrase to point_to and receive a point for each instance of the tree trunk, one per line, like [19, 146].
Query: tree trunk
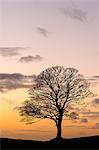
[59, 132]
[59, 129]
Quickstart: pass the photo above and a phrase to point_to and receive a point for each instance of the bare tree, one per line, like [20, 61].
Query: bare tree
[55, 88]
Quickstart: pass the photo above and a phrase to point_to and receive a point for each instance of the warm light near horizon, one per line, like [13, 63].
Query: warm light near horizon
[62, 33]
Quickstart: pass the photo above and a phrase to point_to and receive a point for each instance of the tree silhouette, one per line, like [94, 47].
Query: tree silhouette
[54, 89]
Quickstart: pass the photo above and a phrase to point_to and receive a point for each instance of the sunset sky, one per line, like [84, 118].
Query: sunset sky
[35, 35]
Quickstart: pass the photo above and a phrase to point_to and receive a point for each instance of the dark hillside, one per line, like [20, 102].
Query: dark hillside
[75, 143]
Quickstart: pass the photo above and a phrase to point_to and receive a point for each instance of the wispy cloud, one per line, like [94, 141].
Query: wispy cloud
[91, 115]
[14, 81]
[93, 78]
[95, 102]
[75, 13]
[88, 113]
[10, 51]
[27, 59]
[73, 115]
[96, 126]
[42, 31]
[74, 126]
[84, 120]
[96, 77]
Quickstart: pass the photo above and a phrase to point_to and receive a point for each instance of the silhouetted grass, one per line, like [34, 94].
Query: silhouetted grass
[75, 143]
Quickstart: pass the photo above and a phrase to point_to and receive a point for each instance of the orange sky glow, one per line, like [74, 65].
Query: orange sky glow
[35, 35]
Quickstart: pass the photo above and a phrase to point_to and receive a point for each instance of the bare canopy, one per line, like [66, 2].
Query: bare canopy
[54, 89]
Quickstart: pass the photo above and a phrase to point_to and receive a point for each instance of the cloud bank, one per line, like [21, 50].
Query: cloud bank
[27, 59]
[15, 81]
[10, 51]
[74, 13]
